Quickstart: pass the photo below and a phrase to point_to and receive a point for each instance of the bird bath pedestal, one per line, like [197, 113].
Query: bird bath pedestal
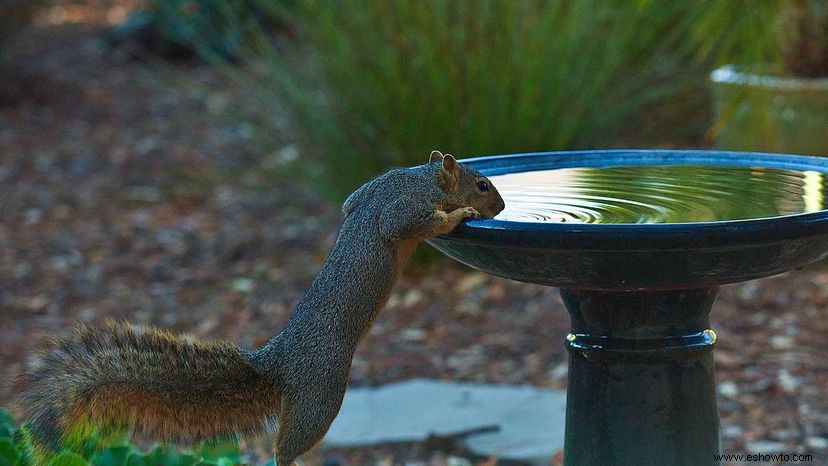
[641, 384]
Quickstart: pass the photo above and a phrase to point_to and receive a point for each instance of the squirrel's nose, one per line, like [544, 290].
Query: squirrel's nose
[495, 208]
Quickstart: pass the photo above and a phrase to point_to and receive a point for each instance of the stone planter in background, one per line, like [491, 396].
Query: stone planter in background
[766, 113]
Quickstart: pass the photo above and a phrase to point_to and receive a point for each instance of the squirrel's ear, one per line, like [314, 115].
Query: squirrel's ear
[448, 177]
[449, 162]
[435, 156]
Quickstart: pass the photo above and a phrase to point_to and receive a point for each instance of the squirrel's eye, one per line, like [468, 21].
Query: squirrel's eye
[483, 186]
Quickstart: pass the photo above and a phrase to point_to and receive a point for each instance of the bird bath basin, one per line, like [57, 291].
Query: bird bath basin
[639, 241]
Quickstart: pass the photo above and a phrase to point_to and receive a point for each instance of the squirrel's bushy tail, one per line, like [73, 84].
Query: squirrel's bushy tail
[166, 386]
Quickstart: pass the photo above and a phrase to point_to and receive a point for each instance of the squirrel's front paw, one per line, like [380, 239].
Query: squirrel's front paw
[451, 219]
[463, 213]
[471, 212]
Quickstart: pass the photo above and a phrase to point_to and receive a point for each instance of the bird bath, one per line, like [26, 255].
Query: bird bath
[639, 241]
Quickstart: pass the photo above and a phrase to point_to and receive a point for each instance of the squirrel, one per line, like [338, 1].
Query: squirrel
[176, 388]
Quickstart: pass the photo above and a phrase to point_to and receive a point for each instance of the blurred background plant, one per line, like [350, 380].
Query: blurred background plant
[364, 85]
[804, 38]
[182, 28]
[14, 15]
[372, 84]
[776, 99]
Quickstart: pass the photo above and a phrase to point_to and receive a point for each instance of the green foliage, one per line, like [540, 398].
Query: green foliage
[9, 454]
[68, 459]
[213, 27]
[804, 42]
[739, 31]
[112, 456]
[16, 450]
[358, 86]
[6, 423]
[787, 37]
[758, 105]
[370, 84]
[220, 452]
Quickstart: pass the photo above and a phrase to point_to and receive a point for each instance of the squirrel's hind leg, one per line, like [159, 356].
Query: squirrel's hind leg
[303, 421]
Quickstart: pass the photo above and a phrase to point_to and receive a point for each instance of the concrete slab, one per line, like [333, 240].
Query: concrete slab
[531, 420]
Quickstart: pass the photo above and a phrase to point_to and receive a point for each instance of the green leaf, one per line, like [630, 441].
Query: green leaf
[23, 440]
[6, 423]
[156, 457]
[68, 459]
[214, 451]
[86, 447]
[6, 417]
[166, 456]
[137, 459]
[9, 456]
[112, 456]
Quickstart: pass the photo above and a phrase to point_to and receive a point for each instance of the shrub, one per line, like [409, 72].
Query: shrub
[370, 84]
[804, 37]
[14, 15]
[182, 27]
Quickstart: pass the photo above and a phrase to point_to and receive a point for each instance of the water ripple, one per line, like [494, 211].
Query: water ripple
[658, 194]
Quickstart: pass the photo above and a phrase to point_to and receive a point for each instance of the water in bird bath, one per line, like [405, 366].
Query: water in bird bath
[659, 194]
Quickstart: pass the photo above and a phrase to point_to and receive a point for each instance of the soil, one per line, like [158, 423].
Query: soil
[126, 192]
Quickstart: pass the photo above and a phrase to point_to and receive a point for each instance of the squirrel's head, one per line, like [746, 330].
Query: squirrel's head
[465, 186]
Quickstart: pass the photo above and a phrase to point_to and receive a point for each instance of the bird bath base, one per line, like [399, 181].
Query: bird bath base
[641, 387]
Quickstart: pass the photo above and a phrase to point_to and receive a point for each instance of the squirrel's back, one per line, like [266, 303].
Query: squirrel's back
[170, 387]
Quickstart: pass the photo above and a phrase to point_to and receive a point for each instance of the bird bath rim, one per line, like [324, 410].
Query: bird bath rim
[635, 256]
[611, 236]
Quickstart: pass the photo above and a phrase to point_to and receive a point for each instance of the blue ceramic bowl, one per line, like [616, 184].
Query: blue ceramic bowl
[639, 256]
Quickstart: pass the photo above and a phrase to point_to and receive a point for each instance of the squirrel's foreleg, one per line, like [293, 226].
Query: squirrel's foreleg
[458, 215]
[446, 221]
[428, 222]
